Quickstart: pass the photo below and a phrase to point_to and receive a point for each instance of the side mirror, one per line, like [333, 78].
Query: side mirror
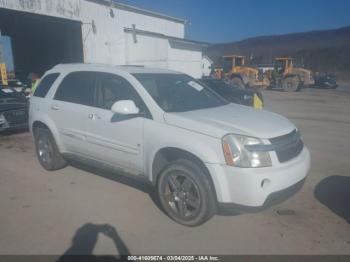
[125, 107]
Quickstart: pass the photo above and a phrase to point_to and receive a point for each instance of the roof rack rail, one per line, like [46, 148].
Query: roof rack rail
[132, 65]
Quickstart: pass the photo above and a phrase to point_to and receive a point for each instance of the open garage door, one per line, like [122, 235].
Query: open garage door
[40, 42]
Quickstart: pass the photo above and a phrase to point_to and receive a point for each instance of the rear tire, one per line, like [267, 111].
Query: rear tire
[290, 84]
[47, 150]
[185, 193]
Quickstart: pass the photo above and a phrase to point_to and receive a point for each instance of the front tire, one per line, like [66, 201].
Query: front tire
[185, 193]
[47, 150]
[291, 84]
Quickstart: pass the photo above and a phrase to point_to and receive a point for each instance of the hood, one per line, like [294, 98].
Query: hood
[232, 118]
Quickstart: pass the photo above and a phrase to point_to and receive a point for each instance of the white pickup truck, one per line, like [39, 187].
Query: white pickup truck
[199, 152]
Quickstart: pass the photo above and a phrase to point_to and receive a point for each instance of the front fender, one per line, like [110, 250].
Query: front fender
[160, 135]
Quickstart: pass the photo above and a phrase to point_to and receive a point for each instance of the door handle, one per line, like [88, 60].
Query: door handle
[55, 107]
[94, 117]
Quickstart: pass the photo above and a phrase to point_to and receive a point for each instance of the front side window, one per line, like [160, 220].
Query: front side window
[179, 92]
[111, 88]
[78, 88]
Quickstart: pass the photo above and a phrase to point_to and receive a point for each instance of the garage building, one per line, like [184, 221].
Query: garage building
[47, 32]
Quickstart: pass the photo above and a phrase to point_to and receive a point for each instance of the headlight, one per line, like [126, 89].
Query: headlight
[2, 119]
[236, 153]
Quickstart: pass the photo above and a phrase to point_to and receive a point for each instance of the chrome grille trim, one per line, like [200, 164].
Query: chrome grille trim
[286, 147]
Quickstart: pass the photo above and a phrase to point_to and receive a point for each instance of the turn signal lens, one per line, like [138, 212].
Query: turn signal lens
[228, 154]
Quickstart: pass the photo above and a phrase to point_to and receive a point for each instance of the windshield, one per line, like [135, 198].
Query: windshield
[179, 92]
[239, 61]
[279, 64]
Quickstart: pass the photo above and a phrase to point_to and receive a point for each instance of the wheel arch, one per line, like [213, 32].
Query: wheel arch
[37, 124]
[168, 154]
[51, 127]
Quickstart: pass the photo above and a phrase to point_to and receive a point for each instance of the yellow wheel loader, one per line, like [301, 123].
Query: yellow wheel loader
[287, 77]
[232, 67]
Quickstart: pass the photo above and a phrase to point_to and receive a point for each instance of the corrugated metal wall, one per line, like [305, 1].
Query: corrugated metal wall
[185, 57]
[104, 39]
[70, 9]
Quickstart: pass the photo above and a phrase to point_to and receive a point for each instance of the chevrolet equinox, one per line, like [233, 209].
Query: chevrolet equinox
[199, 151]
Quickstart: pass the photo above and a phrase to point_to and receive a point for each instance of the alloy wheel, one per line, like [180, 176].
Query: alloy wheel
[182, 195]
[45, 150]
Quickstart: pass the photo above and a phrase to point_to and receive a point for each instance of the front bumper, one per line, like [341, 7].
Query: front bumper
[273, 199]
[6, 126]
[253, 187]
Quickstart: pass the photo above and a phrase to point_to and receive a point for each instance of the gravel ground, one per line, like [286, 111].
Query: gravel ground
[82, 210]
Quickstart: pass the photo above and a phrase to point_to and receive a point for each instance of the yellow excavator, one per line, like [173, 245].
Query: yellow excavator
[287, 77]
[3, 70]
[3, 74]
[233, 68]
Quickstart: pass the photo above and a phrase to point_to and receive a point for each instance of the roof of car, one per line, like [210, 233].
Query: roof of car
[132, 69]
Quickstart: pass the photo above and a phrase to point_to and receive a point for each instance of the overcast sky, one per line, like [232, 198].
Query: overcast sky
[231, 20]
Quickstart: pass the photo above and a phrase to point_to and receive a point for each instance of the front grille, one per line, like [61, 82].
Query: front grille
[287, 146]
[288, 153]
[16, 117]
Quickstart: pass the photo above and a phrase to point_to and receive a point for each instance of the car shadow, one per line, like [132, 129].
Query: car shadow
[227, 213]
[120, 177]
[143, 186]
[85, 240]
[334, 193]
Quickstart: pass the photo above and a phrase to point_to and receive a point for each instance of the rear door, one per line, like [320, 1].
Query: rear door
[69, 110]
[116, 139]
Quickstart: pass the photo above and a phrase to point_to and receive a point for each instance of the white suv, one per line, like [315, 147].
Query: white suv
[199, 151]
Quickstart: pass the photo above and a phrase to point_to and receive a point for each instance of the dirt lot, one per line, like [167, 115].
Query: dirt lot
[75, 210]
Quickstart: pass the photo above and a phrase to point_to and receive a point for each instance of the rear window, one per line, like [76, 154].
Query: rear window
[45, 85]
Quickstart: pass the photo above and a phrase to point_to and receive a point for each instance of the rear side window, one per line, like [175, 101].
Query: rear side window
[78, 88]
[45, 85]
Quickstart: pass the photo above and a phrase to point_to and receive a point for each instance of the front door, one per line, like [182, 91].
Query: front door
[116, 139]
